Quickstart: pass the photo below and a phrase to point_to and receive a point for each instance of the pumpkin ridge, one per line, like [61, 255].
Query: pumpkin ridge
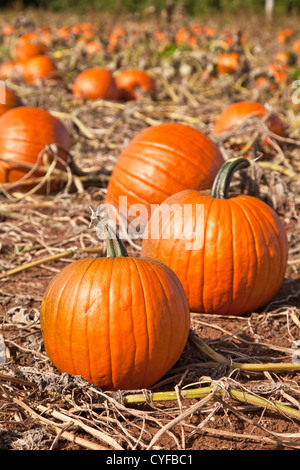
[279, 245]
[257, 250]
[277, 231]
[58, 309]
[246, 218]
[145, 313]
[232, 255]
[90, 306]
[175, 279]
[169, 311]
[109, 316]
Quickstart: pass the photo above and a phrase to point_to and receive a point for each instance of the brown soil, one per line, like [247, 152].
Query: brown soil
[42, 409]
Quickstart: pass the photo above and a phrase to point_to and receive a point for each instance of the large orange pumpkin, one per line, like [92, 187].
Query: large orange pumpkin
[119, 322]
[230, 253]
[96, 83]
[134, 83]
[12, 100]
[160, 161]
[24, 133]
[235, 113]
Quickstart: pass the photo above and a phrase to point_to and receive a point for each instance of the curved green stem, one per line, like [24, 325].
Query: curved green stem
[115, 246]
[222, 181]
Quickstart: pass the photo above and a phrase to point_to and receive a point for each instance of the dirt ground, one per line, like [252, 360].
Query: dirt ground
[232, 408]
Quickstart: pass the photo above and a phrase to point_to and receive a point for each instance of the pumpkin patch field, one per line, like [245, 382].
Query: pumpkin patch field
[124, 328]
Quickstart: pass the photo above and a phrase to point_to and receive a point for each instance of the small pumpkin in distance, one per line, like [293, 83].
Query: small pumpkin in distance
[237, 263]
[96, 83]
[24, 133]
[160, 161]
[237, 112]
[133, 83]
[119, 322]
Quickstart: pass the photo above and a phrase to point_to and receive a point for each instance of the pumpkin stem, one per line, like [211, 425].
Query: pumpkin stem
[222, 181]
[114, 244]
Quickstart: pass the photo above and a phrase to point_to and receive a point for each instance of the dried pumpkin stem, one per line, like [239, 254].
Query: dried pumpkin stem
[200, 392]
[115, 246]
[222, 181]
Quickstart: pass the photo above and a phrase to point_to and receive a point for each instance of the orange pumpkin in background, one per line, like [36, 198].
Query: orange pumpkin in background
[160, 161]
[235, 113]
[24, 133]
[285, 35]
[27, 50]
[182, 36]
[133, 83]
[285, 58]
[96, 83]
[228, 63]
[40, 67]
[296, 47]
[8, 71]
[12, 100]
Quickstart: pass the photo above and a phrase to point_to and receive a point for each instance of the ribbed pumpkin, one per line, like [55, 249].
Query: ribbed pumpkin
[40, 67]
[160, 161]
[24, 133]
[12, 100]
[96, 83]
[230, 256]
[134, 83]
[235, 113]
[119, 322]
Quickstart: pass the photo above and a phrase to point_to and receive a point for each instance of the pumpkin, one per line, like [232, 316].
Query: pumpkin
[230, 253]
[160, 161]
[182, 35]
[285, 35]
[296, 47]
[8, 30]
[93, 47]
[96, 83]
[134, 83]
[235, 113]
[24, 133]
[12, 100]
[228, 63]
[119, 322]
[28, 50]
[40, 67]
[8, 71]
